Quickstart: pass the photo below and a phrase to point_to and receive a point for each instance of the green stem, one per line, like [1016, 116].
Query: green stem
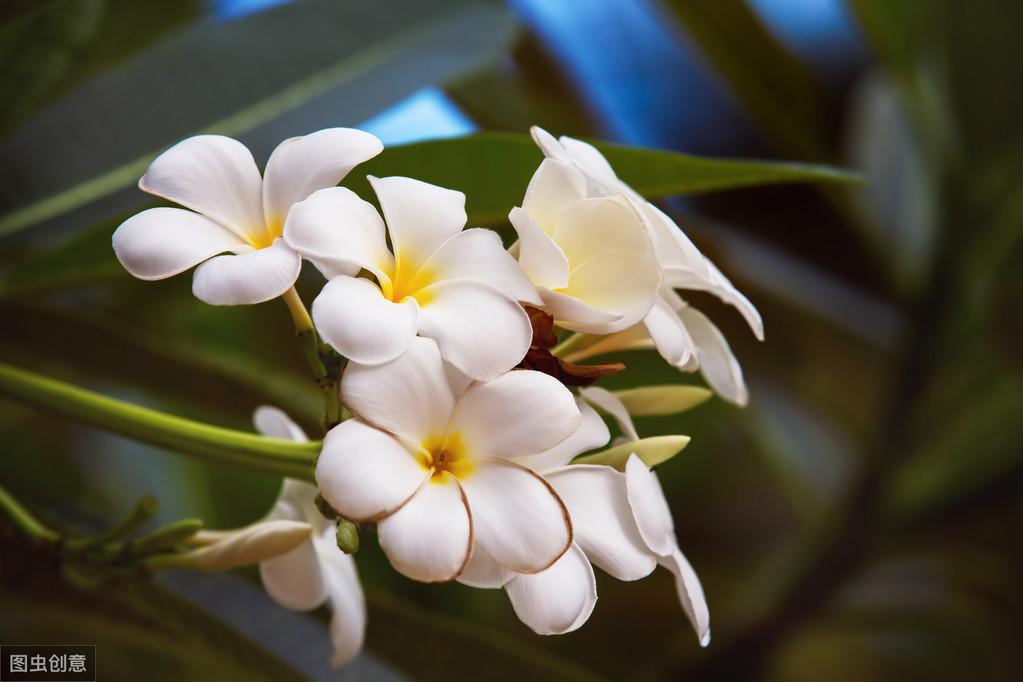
[144, 510]
[576, 341]
[212, 443]
[25, 522]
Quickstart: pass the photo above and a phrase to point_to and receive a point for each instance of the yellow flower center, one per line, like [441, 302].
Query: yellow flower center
[271, 231]
[408, 281]
[444, 455]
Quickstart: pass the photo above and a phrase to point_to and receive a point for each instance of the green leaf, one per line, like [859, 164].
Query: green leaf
[148, 360]
[653, 451]
[60, 43]
[432, 647]
[779, 90]
[298, 66]
[493, 170]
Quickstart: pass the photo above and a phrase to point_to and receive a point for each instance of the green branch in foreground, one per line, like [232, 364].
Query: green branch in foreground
[212, 443]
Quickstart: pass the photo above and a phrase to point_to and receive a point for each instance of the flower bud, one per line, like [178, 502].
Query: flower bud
[652, 451]
[249, 545]
[347, 536]
[655, 401]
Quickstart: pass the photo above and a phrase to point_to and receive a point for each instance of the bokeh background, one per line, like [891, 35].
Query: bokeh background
[860, 519]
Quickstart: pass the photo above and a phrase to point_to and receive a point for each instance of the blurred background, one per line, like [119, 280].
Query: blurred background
[860, 519]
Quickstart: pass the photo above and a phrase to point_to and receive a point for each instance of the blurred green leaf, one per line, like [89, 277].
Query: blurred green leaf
[318, 63]
[136, 625]
[493, 169]
[779, 90]
[526, 87]
[101, 348]
[58, 44]
[430, 646]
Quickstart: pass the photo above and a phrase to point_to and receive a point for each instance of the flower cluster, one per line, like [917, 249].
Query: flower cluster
[472, 425]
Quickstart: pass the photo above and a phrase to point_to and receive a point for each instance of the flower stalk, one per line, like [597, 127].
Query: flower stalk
[23, 519]
[212, 443]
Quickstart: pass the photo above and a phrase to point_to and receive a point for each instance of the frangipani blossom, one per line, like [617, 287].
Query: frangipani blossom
[591, 258]
[682, 335]
[233, 210]
[435, 462]
[460, 288]
[621, 523]
[315, 571]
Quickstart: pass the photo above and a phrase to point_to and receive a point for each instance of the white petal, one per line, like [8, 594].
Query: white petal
[420, 217]
[430, 538]
[409, 397]
[612, 264]
[717, 284]
[670, 336]
[480, 331]
[717, 363]
[578, 315]
[519, 413]
[589, 159]
[592, 433]
[339, 232]
[478, 255]
[293, 580]
[690, 594]
[609, 403]
[352, 315]
[558, 600]
[675, 251]
[553, 187]
[685, 267]
[484, 572]
[364, 473]
[214, 175]
[540, 258]
[273, 422]
[602, 519]
[517, 517]
[348, 623]
[251, 277]
[549, 145]
[726, 291]
[301, 165]
[649, 507]
[162, 242]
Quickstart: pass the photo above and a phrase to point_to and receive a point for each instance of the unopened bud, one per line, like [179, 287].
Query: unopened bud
[168, 536]
[347, 536]
[249, 545]
[325, 509]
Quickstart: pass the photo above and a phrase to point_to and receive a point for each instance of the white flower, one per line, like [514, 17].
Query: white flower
[316, 571]
[682, 335]
[436, 463]
[459, 288]
[621, 523]
[590, 258]
[233, 211]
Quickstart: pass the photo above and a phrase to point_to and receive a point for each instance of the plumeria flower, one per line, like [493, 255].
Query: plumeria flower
[682, 335]
[316, 571]
[622, 524]
[232, 210]
[459, 288]
[435, 461]
[591, 258]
